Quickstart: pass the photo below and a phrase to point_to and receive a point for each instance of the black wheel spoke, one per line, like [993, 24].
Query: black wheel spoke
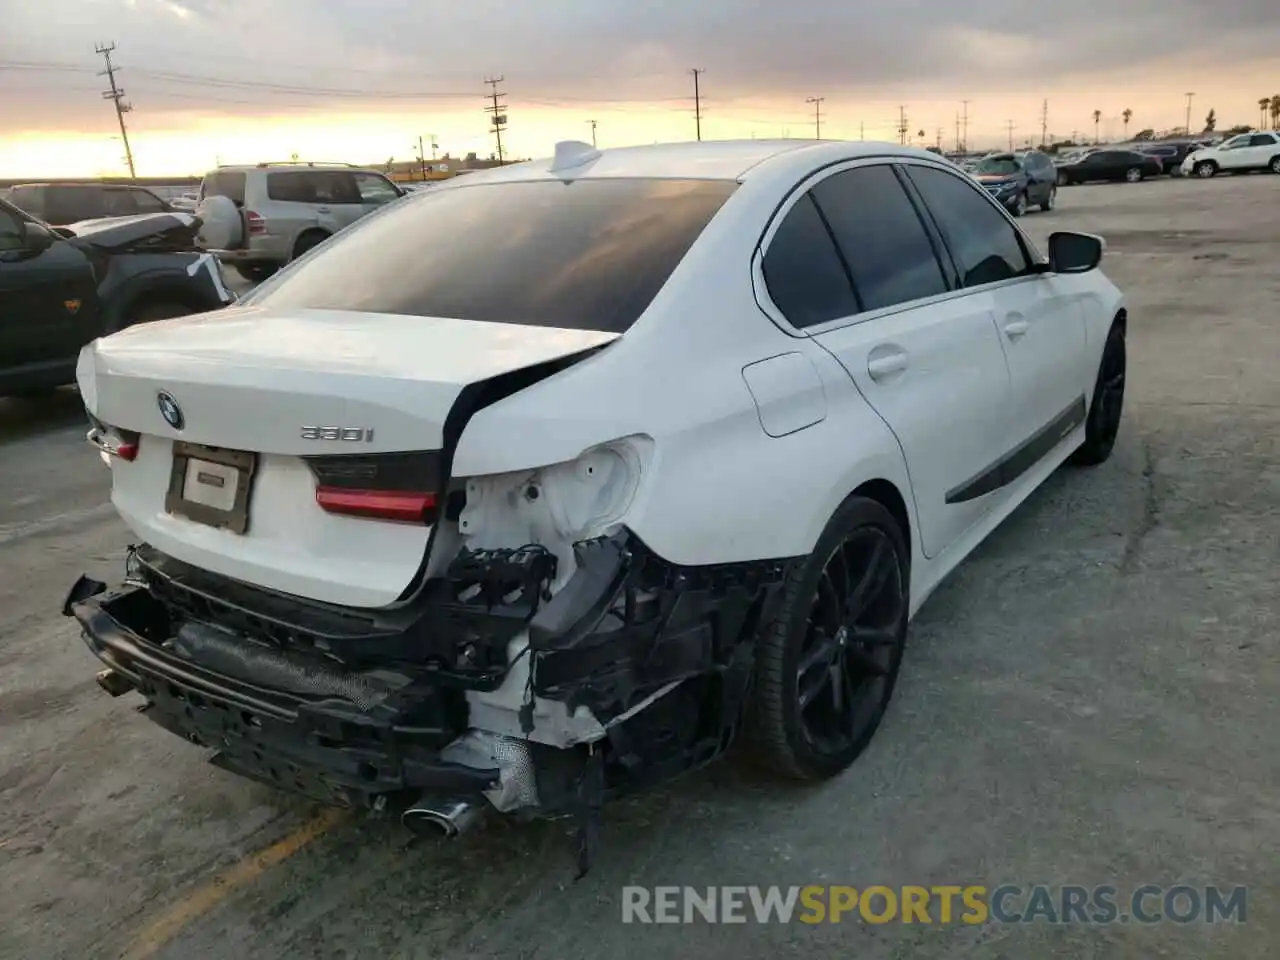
[870, 637]
[872, 581]
[812, 684]
[823, 651]
[862, 663]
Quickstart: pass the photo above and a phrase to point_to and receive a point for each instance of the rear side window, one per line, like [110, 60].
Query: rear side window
[118, 203]
[224, 183]
[313, 186]
[802, 270]
[983, 243]
[147, 202]
[64, 205]
[585, 255]
[881, 236]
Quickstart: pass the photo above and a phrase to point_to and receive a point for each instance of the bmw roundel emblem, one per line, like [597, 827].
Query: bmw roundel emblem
[170, 410]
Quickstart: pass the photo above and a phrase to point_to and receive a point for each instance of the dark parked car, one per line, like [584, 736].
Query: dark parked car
[1019, 180]
[61, 204]
[1110, 165]
[60, 290]
[1170, 155]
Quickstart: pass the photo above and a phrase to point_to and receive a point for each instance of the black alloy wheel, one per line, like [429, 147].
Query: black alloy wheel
[828, 662]
[1103, 425]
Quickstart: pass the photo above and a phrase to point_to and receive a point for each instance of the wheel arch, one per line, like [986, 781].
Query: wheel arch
[166, 286]
[304, 234]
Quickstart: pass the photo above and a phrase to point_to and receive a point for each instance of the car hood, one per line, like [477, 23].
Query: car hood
[120, 234]
[994, 178]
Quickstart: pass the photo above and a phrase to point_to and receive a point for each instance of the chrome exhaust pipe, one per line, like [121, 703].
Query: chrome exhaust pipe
[431, 816]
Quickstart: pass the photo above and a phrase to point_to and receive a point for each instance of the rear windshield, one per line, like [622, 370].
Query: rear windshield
[584, 255]
[224, 183]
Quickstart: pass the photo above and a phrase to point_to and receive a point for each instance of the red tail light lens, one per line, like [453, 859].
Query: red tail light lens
[255, 222]
[120, 444]
[402, 506]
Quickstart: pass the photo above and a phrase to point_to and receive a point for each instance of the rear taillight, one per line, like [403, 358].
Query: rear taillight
[254, 222]
[398, 487]
[113, 443]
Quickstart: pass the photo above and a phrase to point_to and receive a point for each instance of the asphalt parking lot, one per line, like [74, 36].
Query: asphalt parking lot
[1091, 699]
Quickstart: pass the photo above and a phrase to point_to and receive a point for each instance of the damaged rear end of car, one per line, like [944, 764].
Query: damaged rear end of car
[325, 600]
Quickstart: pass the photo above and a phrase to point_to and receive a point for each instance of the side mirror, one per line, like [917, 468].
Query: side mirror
[36, 239]
[1074, 252]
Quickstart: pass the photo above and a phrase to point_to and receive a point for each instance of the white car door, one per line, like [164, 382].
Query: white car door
[1262, 147]
[1040, 317]
[1234, 154]
[926, 357]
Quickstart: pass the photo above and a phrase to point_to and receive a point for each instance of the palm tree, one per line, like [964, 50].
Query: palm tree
[1127, 116]
[1211, 121]
[1264, 105]
[1275, 112]
[1097, 119]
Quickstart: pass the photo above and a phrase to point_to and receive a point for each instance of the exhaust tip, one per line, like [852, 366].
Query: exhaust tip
[434, 818]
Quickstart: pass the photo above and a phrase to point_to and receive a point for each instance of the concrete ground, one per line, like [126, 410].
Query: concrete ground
[1091, 699]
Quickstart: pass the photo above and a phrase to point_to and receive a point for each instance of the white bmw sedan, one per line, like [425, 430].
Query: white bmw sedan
[554, 481]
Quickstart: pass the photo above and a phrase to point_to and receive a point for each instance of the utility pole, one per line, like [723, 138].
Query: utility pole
[957, 131]
[1010, 125]
[939, 143]
[862, 130]
[817, 115]
[697, 100]
[498, 110]
[902, 124]
[422, 159]
[1044, 125]
[116, 95]
[1189, 96]
[593, 132]
[964, 142]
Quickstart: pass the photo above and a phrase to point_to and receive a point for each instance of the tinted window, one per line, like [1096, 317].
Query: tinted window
[984, 245]
[880, 234]
[803, 272]
[118, 203]
[1261, 140]
[66, 205]
[375, 189]
[10, 231]
[147, 202]
[1004, 166]
[587, 255]
[313, 186]
[224, 183]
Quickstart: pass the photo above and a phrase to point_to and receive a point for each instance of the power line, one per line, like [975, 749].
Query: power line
[697, 100]
[116, 95]
[499, 117]
[817, 115]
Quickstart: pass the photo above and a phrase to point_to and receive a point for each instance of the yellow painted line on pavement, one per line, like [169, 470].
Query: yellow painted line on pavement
[205, 898]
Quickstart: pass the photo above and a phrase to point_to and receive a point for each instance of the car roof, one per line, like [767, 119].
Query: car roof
[700, 160]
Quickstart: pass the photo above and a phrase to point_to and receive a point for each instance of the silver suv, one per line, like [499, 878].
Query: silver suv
[258, 218]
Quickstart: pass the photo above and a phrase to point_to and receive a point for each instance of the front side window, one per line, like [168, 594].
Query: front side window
[803, 272]
[147, 202]
[30, 199]
[985, 246]
[1236, 142]
[589, 254]
[883, 241]
[118, 203]
[11, 231]
[375, 189]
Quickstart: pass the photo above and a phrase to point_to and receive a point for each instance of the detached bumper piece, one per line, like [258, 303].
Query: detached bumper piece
[335, 737]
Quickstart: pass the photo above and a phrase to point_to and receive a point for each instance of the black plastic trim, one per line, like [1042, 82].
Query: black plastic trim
[1023, 457]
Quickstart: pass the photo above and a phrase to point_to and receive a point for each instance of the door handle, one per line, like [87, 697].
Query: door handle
[881, 367]
[1015, 326]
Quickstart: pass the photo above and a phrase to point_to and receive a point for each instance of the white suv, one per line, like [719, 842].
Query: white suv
[1256, 150]
[258, 218]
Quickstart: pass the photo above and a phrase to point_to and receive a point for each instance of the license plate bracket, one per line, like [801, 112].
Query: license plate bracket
[211, 485]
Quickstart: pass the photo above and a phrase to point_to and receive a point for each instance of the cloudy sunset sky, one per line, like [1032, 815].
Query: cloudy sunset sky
[246, 80]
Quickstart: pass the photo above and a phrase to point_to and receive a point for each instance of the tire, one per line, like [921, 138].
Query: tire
[1134, 175]
[1051, 200]
[1274, 165]
[1206, 169]
[1020, 205]
[862, 550]
[1103, 424]
[308, 242]
[256, 272]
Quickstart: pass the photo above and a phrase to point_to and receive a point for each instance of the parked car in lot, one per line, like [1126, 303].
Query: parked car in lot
[416, 535]
[1258, 150]
[1170, 155]
[62, 204]
[257, 218]
[59, 290]
[1113, 165]
[1018, 180]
